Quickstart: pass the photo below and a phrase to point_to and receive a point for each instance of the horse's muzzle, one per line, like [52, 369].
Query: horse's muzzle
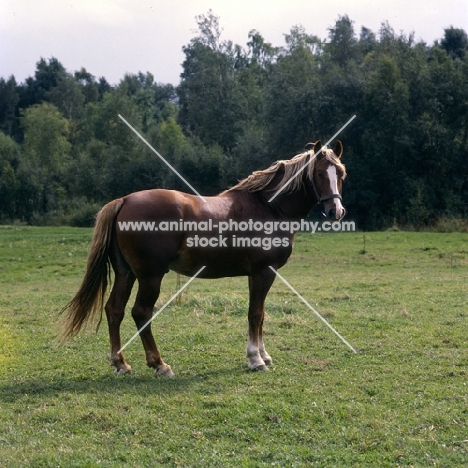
[332, 214]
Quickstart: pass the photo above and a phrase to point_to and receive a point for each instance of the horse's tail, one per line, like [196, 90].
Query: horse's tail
[89, 299]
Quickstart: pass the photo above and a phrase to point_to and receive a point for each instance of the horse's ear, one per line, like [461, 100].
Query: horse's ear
[317, 148]
[338, 149]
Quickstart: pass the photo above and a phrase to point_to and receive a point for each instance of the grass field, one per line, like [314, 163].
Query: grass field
[400, 299]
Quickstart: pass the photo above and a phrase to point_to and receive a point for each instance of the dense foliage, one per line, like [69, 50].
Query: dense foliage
[64, 151]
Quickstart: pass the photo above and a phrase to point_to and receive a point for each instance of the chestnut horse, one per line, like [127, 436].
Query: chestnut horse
[147, 255]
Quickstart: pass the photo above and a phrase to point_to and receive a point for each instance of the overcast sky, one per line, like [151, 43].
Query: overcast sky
[112, 37]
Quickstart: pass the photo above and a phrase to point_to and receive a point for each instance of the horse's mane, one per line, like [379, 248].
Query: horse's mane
[259, 180]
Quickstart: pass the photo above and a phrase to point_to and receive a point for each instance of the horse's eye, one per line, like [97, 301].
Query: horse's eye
[320, 175]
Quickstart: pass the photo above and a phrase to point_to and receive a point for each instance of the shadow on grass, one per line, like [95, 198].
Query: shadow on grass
[115, 385]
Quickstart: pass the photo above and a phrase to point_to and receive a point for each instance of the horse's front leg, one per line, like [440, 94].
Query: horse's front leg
[259, 285]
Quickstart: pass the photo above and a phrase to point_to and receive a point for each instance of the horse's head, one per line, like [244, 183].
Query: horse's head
[328, 177]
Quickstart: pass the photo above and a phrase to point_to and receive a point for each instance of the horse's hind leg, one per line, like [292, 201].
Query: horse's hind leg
[115, 309]
[115, 306]
[259, 285]
[148, 292]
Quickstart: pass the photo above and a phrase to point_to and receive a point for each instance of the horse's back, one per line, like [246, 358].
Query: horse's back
[155, 205]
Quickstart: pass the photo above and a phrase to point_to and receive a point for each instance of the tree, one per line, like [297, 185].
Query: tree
[46, 154]
[292, 94]
[46, 77]
[8, 105]
[45, 133]
[68, 97]
[9, 160]
[260, 53]
[342, 45]
[210, 31]
[386, 114]
[103, 122]
[367, 41]
[204, 166]
[88, 84]
[155, 101]
[455, 42]
[210, 100]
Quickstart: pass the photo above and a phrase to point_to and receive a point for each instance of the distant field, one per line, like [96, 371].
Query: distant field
[401, 299]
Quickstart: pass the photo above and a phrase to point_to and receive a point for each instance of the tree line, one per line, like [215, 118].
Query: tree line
[64, 151]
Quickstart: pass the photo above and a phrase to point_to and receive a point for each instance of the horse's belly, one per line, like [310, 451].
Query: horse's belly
[218, 264]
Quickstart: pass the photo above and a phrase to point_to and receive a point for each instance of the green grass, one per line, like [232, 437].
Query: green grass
[401, 401]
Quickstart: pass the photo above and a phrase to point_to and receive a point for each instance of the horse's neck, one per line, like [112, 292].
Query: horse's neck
[289, 206]
[295, 205]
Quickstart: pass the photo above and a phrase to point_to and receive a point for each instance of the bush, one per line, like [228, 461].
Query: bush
[84, 215]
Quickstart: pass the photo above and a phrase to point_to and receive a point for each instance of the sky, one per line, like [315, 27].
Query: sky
[112, 37]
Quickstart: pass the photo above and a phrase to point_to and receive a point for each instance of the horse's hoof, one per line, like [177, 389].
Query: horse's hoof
[164, 371]
[268, 361]
[261, 367]
[123, 370]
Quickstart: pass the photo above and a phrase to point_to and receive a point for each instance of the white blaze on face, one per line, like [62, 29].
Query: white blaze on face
[333, 178]
[336, 202]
